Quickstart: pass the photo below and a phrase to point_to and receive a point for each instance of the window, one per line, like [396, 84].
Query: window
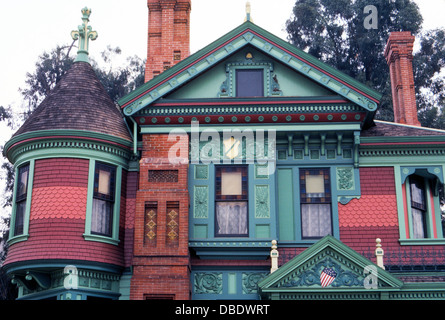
[231, 201]
[315, 201]
[103, 200]
[249, 83]
[20, 199]
[418, 206]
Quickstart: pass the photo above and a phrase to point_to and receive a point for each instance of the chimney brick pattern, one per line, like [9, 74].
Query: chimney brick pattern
[168, 35]
[398, 54]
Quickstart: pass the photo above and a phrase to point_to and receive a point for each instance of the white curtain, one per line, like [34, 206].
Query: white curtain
[316, 220]
[101, 219]
[417, 196]
[418, 229]
[231, 218]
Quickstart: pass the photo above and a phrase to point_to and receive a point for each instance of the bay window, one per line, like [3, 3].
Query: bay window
[231, 214]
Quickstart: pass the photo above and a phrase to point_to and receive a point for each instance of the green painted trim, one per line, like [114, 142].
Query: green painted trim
[22, 237]
[432, 217]
[64, 133]
[70, 149]
[400, 202]
[276, 127]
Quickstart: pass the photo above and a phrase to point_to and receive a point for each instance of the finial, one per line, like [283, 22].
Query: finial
[379, 253]
[274, 257]
[248, 9]
[84, 34]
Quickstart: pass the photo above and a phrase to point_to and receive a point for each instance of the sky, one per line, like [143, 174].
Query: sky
[30, 27]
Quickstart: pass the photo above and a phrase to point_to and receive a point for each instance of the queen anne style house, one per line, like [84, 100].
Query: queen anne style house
[247, 170]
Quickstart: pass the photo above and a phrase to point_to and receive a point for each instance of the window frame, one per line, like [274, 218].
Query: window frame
[89, 234]
[13, 237]
[107, 199]
[239, 72]
[433, 177]
[244, 197]
[304, 199]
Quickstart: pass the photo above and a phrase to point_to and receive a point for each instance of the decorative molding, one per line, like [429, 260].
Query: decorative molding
[311, 276]
[402, 152]
[201, 172]
[221, 109]
[208, 283]
[200, 201]
[262, 201]
[250, 281]
[345, 178]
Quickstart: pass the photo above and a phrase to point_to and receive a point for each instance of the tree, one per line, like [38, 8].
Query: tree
[338, 33]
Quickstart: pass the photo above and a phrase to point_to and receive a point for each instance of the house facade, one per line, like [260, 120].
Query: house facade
[247, 170]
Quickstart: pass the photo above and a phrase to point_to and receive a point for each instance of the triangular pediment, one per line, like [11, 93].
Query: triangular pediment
[248, 35]
[351, 272]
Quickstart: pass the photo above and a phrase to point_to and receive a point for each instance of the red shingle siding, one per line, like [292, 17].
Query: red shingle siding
[59, 238]
[377, 181]
[61, 172]
[372, 216]
[58, 213]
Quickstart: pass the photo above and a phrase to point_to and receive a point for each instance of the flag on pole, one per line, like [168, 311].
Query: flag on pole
[327, 276]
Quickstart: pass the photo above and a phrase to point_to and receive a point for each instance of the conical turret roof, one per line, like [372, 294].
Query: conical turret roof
[78, 102]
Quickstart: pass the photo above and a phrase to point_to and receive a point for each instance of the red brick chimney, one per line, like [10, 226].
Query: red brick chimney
[399, 57]
[168, 35]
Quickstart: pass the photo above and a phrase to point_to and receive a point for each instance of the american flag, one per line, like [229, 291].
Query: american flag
[327, 276]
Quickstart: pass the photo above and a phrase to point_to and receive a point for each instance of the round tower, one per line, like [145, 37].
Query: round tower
[69, 222]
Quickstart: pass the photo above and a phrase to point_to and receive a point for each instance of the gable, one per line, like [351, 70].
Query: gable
[249, 35]
[301, 276]
[284, 81]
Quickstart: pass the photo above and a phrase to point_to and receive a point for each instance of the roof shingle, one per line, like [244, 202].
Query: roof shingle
[78, 102]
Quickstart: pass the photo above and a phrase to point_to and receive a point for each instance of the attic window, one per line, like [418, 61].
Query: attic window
[249, 78]
[249, 83]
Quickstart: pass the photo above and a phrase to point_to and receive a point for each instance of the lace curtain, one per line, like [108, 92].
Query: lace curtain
[231, 218]
[316, 220]
[101, 218]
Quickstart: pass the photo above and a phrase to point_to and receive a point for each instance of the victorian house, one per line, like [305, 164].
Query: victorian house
[247, 170]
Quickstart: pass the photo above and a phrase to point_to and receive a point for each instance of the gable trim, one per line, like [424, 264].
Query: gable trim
[271, 45]
[278, 282]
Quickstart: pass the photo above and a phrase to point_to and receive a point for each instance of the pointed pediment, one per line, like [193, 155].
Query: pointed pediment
[250, 35]
[350, 271]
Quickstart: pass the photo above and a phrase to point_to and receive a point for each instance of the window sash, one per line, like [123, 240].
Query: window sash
[249, 83]
[315, 203]
[418, 207]
[306, 194]
[104, 182]
[22, 183]
[19, 221]
[103, 200]
[316, 220]
[21, 199]
[102, 217]
[231, 202]
[219, 192]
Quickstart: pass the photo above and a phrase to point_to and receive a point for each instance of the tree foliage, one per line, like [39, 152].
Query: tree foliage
[335, 32]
